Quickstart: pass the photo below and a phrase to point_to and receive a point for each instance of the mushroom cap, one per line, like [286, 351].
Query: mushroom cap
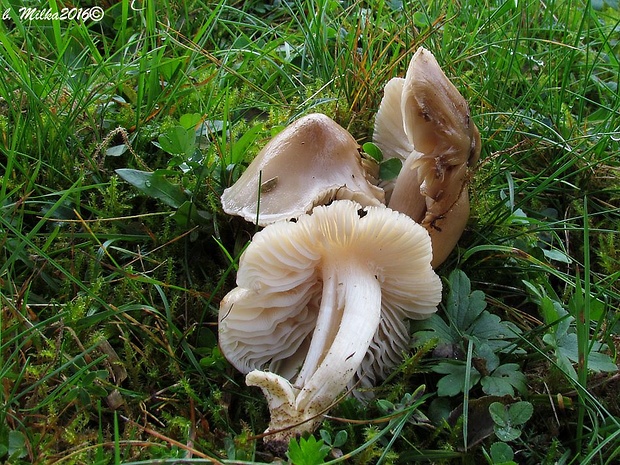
[389, 131]
[268, 320]
[443, 143]
[436, 117]
[311, 162]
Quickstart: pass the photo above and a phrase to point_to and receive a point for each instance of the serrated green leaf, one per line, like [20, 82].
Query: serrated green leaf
[567, 351]
[454, 381]
[434, 327]
[470, 321]
[154, 185]
[563, 326]
[463, 306]
[490, 329]
[458, 298]
[485, 351]
[598, 361]
[467, 315]
[565, 364]
[567, 345]
[504, 380]
[294, 450]
[307, 451]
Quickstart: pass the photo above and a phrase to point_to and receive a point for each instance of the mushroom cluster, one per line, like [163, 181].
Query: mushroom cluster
[424, 121]
[326, 289]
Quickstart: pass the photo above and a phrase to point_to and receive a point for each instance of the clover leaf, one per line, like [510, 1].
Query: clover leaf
[508, 419]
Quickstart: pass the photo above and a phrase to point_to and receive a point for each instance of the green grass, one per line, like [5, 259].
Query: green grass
[109, 294]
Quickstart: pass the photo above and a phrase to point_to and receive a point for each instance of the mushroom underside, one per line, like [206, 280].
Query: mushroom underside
[347, 274]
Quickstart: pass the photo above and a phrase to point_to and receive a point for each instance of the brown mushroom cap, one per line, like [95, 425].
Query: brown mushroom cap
[436, 117]
[435, 123]
[311, 162]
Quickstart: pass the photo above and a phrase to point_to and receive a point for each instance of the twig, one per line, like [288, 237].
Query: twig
[171, 441]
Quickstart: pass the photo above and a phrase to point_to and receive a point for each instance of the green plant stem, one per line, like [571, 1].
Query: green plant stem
[583, 325]
[466, 388]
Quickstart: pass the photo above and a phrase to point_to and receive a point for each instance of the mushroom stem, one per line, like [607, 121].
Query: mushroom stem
[360, 292]
[352, 305]
[406, 196]
[445, 229]
[328, 320]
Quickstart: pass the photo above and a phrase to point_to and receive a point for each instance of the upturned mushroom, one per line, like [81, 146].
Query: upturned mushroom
[425, 121]
[322, 301]
[311, 162]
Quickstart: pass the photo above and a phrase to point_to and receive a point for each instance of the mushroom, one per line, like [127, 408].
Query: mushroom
[312, 161]
[425, 121]
[389, 133]
[323, 300]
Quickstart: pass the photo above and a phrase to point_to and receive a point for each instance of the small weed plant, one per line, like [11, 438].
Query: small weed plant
[473, 331]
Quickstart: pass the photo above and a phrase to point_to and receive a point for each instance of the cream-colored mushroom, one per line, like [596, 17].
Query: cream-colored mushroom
[426, 115]
[311, 162]
[323, 301]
